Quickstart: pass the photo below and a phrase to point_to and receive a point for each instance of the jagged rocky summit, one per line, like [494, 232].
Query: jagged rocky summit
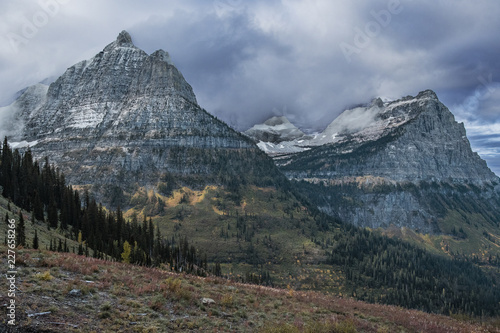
[274, 130]
[277, 136]
[125, 117]
[404, 163]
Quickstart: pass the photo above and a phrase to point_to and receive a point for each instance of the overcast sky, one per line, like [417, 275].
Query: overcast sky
[308, 60]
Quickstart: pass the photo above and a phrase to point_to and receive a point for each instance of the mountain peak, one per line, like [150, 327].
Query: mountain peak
[130, 117]
[163, 56]
[123, 40]
[277, 120]
[274, 130]
[377, 102]
[427, 94]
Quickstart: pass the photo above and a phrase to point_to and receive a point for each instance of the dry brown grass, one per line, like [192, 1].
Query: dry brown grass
[126, 298]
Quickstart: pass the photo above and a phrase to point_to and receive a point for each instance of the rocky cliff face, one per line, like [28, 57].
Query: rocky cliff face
[413, 139]
[123, 117]
[386, 163]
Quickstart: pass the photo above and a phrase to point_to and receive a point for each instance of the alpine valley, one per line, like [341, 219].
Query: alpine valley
[116, 158]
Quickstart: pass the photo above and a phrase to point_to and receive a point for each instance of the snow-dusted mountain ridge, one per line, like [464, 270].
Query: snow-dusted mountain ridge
[125, 117]
[411, 139]
[365, 123]
[391, 163]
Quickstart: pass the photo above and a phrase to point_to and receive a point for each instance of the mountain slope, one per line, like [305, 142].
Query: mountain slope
[409, 164]
[124, 118]
[68, 293]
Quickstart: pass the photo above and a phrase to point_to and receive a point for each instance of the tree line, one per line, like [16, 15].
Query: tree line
[386, 270]
[42, 190]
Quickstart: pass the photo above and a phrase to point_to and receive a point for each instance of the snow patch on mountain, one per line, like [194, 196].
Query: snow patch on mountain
[284, 147]
[23, 144]
[351, 122]
[84, 117]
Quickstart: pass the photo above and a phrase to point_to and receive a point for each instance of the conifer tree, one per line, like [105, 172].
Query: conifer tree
[35, 241]
[5, 169]
[52, 214]
[38, 207]
[21, 232]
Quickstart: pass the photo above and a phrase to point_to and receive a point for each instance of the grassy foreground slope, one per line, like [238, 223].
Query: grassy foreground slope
[64, 292]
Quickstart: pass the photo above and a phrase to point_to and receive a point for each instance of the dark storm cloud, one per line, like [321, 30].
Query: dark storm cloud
[308, 60]
[215, 61]
[209, 55]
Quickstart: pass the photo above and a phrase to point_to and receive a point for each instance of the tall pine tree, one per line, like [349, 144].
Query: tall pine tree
[20, 231]
[38, 207]
[52, 213]
[35, 241]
